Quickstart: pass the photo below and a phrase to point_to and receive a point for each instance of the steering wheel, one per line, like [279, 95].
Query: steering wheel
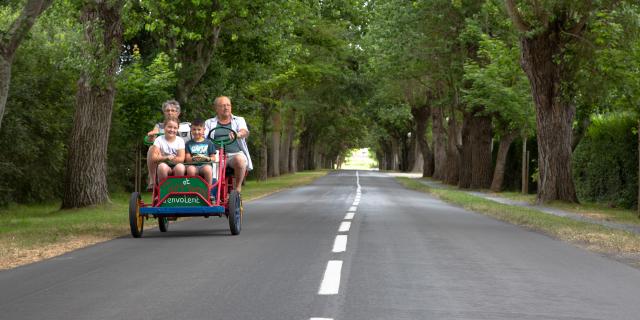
[149, 143]
[223, 140]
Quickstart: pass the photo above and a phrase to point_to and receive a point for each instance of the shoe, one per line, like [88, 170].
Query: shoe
[150, 187]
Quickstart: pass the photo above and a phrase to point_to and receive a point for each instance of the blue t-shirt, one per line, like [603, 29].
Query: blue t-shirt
[200, 149]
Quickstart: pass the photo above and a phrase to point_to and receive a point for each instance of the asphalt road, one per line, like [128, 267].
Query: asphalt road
[406, 256]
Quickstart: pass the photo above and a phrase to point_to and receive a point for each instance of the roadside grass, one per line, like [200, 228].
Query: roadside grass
[617, 243]
[30, 233]
[588, 209]
[517, 196]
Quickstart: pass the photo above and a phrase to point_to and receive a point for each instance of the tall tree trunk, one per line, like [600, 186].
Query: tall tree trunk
[86, 175]
[263, 171]
[294, 159]
[554, 116]
[453, 157]
[10, 41]
[466, 152]
[421, 116]
[439, 144]
[482, 163]
[287, 140]
[276, 128]
[501, 160]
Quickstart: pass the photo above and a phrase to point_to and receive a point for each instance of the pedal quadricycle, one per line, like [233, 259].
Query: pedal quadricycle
[191, 196]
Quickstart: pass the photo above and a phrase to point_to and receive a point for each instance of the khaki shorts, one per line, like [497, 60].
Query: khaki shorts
[232, 156]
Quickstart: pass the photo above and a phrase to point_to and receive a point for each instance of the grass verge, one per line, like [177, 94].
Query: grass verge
[616, 243]
[30, 233]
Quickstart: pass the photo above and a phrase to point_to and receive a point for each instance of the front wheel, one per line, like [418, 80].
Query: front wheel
[235, 212]
[136, 221]
[163, 224]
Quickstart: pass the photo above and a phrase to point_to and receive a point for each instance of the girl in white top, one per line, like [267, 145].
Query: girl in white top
[169, 148]
[170, 109]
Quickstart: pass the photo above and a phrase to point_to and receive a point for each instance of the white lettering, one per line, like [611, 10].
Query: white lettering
[182, 200]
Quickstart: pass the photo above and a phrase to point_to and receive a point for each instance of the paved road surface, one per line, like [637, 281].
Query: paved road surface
[406, 256]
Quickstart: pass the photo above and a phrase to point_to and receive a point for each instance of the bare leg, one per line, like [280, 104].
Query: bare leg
[163, 171]
[151, 167]
[178, 170]
[239, 164]
[192, 170]
[206, 173]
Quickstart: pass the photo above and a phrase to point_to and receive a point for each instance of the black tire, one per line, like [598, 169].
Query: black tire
[163, 224]
[235, 212]
[136, 221]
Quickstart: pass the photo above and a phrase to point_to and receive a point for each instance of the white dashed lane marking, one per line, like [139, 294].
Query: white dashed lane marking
[344, 226]
[340, 244]
[349, 215]
[331, 281]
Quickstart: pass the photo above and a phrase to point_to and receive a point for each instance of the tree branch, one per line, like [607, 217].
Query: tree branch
[516, 17]
[21, 26]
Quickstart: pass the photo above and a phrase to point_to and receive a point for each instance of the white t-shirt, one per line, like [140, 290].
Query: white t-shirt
[169, 148]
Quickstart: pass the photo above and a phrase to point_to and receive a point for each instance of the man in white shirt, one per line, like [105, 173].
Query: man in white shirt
[237, 153]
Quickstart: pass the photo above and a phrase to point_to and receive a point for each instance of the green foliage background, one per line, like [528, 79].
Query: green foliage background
[605, 164]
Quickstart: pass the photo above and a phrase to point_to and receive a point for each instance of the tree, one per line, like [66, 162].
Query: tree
[86, 177]
[11, 39]
[549, 33]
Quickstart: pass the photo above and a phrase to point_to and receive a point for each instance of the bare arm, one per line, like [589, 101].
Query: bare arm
[180, 157]
[243, 133]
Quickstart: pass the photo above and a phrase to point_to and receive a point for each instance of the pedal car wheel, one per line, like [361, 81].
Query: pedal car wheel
[136, 221]
[163, 224]
[235, 212]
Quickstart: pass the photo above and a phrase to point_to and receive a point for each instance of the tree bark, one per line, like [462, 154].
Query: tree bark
[439, 144]
[501, 161]
[262, 173]
[10, 41]
[482, 160]
[287, 141]
[276, 128]
[466, 152]
[86, 175]
[421, 116]
[454, 140]
[554, 116]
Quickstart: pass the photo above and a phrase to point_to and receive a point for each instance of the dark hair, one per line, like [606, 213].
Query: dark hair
[197, 122]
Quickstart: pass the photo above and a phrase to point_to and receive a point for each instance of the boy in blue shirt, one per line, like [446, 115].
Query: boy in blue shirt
[199, 149]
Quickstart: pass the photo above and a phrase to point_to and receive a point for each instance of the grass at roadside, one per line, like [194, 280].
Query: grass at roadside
[591, 210]
[30, 233]
[592, 236]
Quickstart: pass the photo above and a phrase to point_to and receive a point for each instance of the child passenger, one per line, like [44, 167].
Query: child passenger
[168, 150]
[170, 109]
[199, 149]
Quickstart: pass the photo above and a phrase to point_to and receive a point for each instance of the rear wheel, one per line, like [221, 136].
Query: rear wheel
[235, 212]
[136, 221]
[163, 224]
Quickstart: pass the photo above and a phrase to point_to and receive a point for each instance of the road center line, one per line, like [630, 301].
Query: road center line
[344, 226]
[331, 281]
[355, 203]
[349, 215]
[314, 318]
[340, 244]
[353, 208]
